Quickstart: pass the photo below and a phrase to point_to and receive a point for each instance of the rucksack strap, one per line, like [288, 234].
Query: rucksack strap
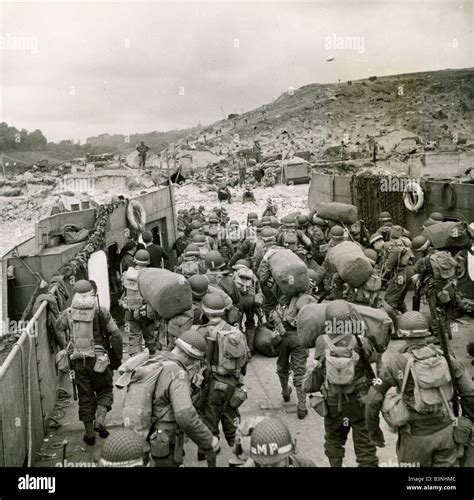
[407, 372]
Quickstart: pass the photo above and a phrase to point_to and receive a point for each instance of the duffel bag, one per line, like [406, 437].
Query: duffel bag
[351, 263]
[310, 324]
[448, 235]
[267, 341]
[339, 212]
[288, 270]
[169, 294]
[379, 326]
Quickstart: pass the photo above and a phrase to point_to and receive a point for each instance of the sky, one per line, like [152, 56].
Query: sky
[78, 69]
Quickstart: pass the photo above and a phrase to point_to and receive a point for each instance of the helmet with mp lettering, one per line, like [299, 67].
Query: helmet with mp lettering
[270, 442]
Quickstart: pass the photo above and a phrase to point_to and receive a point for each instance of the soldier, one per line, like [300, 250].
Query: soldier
[434, 218]
[345, 402]
[199, 288]
[271, 445]
[226, 359]
[385, 222]
[270, 209]
[92, 334]
[264, 274]
[436, 279]
[219, 276]
[291, 354]
[166, 380]
[200, 241]
[217, 240]
[191, 262]
[425, 435]
[359, 234]
[398, 267]
[248, 195]
[142, 152]
[247, 248]
[223, 193]
[317, 235]
[235, 235]
[242, 165]
[293, 238]
[124, 448]
[251, 298]
[139, 317]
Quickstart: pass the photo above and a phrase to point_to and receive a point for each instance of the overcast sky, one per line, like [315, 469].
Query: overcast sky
[76, 69]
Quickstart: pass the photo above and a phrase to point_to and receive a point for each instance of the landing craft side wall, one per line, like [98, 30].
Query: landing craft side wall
[325, 188]
[20, 377]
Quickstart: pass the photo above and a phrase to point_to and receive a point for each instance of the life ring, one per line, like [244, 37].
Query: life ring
[413, 191]
[136, 215]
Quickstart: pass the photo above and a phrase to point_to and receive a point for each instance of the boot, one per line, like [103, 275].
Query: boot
[99, 425]
[301, 410]
[89, 436]
[250, 334]
[335, 461]
[285, 388]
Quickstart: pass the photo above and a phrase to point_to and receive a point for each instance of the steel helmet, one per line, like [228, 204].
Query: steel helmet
[213, 219]
[266, 221]
[123, 448]
[375, 237]
[338, 309]
[213, 305]
[191, 251]
[336, 233]
[214, 260]
[194, 232]
[288, 221]
[268, 234]
[82, 286]
[142, 258]
[213, 231]
[371, 255]
[195, 224]
[199, 285]
[413, 324]
[437, 216]
[251, 217]
[302, 220]
[234, 223]
[385, 217]
[258, 225]
[193, 343]
[270, 442]
[199, 239]
[241, 263]
[420, 243]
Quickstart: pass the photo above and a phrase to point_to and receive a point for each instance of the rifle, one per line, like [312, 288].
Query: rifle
[445, 347]
[363, 354]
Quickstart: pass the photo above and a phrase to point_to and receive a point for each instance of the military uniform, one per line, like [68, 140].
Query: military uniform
[94, 389]
[224, 391]
[347, 411]
[427, 439]
[174, 415]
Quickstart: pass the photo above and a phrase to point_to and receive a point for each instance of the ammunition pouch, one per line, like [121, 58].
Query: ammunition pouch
[462, 431]
[238, 397]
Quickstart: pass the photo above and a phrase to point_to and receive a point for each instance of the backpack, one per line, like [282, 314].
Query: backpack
[138, 401]
[81, 326]
[432, 379]
[134, 298]
[341, 365]
[232, 349]
[443, 265]
[189, 268]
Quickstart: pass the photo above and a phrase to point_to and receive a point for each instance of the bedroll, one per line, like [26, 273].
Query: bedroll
[289, 271]
[169, 294]
[351, 263]
[338, 212]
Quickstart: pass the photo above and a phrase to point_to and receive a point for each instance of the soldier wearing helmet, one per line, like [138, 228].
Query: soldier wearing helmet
[271, 445]
[223, 193]
[397, 271]
[248, 247]
[173, 413]
[436, 279]
[224, 391]
[139, 317]
[345, 403]
[191, 262]
[123, 448]
[271, 209]
[218, 240]
[434, 218]
[251, 298]
[248, 195]
[219, 275]
[317, 234]
[426, 434]
[293, 238]
[94, 346]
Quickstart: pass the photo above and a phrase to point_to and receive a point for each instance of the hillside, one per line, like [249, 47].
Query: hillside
[431, 106]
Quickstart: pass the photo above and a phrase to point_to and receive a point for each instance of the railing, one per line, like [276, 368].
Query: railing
[28, 383]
